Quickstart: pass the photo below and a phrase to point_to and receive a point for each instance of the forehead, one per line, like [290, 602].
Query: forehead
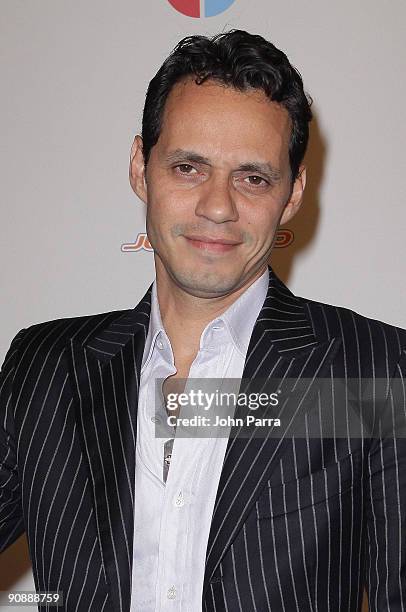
[223, 119]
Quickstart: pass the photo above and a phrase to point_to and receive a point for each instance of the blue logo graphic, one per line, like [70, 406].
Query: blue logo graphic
[201, 8]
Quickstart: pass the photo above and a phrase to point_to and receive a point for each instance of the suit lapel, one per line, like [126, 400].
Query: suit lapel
[105, 368]
[282, 346]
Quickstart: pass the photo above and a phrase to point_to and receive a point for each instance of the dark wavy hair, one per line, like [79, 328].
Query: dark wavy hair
[237, 59]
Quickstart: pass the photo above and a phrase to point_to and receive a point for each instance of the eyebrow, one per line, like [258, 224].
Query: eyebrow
[266, 168]
[180, 155]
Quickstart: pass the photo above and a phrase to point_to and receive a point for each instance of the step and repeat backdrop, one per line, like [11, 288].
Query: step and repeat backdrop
[74, 77]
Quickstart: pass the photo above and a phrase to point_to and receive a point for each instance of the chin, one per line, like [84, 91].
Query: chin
[205, 284]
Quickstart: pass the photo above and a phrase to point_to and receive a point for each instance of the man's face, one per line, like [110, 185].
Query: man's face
[217, 185]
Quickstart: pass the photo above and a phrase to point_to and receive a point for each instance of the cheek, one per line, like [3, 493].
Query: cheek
[166, 215]
[167, 207]
[261, 223]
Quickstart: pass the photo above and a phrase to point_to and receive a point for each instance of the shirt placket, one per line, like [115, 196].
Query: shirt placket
[174, 557]
[174, 548]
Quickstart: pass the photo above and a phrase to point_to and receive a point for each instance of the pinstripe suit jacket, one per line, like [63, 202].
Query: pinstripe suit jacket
[298, 524]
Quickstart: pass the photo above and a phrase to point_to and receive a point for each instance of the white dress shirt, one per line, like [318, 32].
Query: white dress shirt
[172, 520]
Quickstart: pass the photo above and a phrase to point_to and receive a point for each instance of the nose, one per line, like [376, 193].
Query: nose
[217, 201]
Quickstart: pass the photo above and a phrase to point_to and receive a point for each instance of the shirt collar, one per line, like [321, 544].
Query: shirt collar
[155, 327]
[239, 318]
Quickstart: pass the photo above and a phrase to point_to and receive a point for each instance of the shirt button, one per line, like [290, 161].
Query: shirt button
[218, 325]
[160, 344]
[180, 500]
[171, 593]
[155, 420]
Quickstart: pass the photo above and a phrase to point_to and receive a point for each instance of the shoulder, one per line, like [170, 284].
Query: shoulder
[67, 328]
[47, 340]
[367, 337]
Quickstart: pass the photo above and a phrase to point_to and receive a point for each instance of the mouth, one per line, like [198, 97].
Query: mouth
[214, 245]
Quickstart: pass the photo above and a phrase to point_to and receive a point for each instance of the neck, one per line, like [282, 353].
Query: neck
[185, 315]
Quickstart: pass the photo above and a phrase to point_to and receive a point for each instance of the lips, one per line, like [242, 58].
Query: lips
[213, 244]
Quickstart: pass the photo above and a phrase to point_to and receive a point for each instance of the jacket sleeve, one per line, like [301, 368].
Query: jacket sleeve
[11, 519]
[386, 502]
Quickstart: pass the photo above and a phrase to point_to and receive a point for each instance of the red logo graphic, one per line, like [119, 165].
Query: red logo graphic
[283, 238]
[201, 8]
[141, 243]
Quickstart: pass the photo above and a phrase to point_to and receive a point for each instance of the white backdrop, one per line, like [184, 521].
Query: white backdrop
[73, 79]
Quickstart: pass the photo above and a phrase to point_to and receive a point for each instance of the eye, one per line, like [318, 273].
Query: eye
[185, 168]
[256, 181]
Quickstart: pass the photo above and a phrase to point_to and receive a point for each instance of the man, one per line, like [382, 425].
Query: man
[119, 519]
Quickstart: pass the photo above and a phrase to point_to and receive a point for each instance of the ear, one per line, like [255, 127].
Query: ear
[137, 170]
[296, 197]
